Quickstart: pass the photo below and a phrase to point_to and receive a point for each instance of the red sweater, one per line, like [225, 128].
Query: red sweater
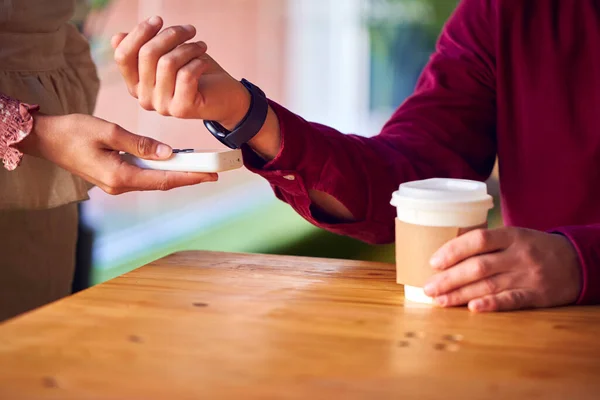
[513, 78]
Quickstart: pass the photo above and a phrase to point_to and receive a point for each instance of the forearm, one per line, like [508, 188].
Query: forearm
[267, 144]
[343, 183]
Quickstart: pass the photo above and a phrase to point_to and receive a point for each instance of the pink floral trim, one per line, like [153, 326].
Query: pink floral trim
[16, 122]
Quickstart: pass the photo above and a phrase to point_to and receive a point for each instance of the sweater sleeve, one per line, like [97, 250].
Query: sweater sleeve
[586, 240]
[445, 129]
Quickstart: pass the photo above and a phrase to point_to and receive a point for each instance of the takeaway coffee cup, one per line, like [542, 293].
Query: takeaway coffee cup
[430, 213]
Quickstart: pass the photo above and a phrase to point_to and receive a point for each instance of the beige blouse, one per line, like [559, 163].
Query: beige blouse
[44, 61]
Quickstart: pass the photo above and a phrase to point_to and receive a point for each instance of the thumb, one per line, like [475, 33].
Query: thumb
[139, 146]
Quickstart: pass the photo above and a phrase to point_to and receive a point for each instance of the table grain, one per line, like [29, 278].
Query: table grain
[209, 325]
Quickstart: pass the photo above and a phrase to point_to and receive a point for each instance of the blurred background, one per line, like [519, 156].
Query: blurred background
[344, 63]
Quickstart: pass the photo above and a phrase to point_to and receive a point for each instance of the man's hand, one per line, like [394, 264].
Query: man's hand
[175, 77]
[89, 147]
[505, 269]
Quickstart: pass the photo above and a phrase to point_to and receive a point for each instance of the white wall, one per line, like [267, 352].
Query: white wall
[328, 64]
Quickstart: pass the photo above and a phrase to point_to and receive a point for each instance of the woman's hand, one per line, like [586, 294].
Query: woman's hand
[175, 77]
[89, 147]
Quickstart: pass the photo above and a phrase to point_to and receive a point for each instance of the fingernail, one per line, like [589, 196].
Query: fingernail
[163, 151]
[202, 44]
[214, 178]
[189, 28]
[429, 289]
[441, 300]
[475, 305]
[436, 261]
[154, 21]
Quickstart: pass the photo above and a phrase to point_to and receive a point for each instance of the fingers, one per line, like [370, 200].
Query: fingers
[465, 273]
[126, 52]
[186, 94]
[507, 300]
[488, 286]
[116, 40]
[133, 178]
[479, 241]
[151, 52]
[120, 139]
[173, 65]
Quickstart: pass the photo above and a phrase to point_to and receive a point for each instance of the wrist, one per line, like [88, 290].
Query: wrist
[37, 143]
[30, 145]
[240, 101]
[267, 142]
[252, 122]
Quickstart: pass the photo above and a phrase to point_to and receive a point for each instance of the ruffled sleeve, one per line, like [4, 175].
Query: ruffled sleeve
[16, 122]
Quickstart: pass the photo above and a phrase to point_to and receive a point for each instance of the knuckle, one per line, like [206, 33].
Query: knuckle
[482, 237]
[146, 103]
[147, 51]
[186, 76]
[536, 278]
[449, 251]
[112, 183]
[453, 299]
[132, 90]
[164, 184]
[178, 111]
[120, 57]
[490, 286]
[164, 111]
[116, 191]
[173, 31]
[146, 106]
[517, 299]
[167, 63]
[492, 304]
[481, 268]
[529, 255]
[535, 254]
[144, 145]
[110, 190]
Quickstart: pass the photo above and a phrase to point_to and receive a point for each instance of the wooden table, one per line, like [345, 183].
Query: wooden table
[217, 325]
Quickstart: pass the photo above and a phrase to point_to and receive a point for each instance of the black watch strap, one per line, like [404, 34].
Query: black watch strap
[249, 126]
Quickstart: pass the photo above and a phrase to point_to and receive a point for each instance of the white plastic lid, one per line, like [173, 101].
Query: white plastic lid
[443, 193]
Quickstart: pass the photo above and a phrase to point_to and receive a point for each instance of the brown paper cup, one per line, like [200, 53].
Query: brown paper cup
[415, 244]
[429, 214]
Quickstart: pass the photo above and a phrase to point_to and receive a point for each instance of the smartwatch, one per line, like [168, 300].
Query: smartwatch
[250, 125]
